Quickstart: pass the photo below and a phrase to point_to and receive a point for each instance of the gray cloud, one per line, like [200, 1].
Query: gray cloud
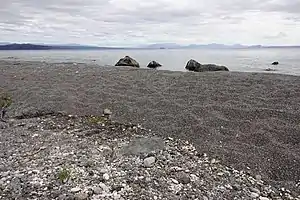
[135, 22]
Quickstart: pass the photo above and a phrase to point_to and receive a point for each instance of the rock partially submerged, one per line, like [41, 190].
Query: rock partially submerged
[195, 66]
[127, 61]
[275, 63]
[153, 65]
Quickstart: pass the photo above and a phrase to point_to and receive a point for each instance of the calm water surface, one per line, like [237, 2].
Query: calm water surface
[244, 60]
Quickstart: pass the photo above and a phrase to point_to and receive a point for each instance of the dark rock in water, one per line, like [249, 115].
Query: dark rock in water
[195, 66]
[192, 65]
[275, 63]
[127, 61]
[153, 64]
[270, 70]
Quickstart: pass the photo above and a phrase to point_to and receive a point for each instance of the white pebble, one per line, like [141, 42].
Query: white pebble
[106, 176]
[254, 195]
[263, 198]
[174, 181]
[76, 189]
[148, 162]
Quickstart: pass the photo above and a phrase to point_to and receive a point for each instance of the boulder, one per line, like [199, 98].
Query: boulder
[195, 66]
[153, 64]
[275, 63]
[127, 61]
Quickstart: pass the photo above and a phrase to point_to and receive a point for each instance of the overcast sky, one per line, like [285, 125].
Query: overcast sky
[136, 22]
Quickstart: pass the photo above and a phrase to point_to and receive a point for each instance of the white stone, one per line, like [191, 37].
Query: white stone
[148, 162]
[263, 198]
[106, 176]
[174, 181]
[104, 187]
[254, 195]
[75, 189]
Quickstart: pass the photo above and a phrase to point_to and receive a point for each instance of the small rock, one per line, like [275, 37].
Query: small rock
[106, 176]
[275, 63]
[81, 196]
[75, 190]
[255, 190]
[236, 187]
[104, 187]
[116, 195]
[97, 190]
[258, 177]
[205, 198]
[264, 198]
[174, 181]
[254, 195]
[153, 64]
[148, 162]
[107, 112]
[220, 173]
[66, 197]
[183, 178]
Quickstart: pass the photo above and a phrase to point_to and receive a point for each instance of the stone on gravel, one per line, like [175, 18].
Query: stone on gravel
[81, 196]
[127, 61]
[106, 177]
[97, 190]
[107, 113]
[153, 65]
[183, 178]
[75, 190]
[255, 190]
[104, 187]
[264, 198]
[254, 195]
[149, 162]
[195, 66]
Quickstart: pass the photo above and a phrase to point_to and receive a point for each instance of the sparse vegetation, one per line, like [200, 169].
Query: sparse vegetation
[96, 119]
[64, 174]
[5, 102]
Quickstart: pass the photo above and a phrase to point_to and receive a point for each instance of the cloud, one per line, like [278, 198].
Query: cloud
[135, 22]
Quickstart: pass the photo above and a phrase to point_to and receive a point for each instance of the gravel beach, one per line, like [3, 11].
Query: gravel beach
[247, 123]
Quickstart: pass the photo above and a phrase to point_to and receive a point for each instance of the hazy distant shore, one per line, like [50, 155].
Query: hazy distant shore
[245, 119]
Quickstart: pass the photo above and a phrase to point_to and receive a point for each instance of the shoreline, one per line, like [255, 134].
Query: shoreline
[245, 119]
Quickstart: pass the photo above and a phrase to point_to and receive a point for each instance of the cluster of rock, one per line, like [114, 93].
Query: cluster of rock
[89, 158]
[192, 65]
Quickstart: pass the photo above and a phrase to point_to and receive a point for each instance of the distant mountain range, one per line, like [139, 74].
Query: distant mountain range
[50, 47]
[211, 46]
[9, 46]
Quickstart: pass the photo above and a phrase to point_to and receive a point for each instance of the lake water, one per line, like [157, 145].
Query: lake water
[244, 60]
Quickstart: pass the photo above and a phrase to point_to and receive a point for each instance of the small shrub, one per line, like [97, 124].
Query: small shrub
[5, 102]
[96, 119]
[64, 175]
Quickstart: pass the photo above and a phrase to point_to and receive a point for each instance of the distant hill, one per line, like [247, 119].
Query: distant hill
[9, 46]
[211, 46]
[24, 47]
[50, 47]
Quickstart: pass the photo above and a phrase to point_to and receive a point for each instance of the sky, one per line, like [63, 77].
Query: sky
[140, 22]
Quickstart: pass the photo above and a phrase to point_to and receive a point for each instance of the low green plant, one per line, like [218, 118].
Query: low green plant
[5, 102]
[96, 119]
[64, 174]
